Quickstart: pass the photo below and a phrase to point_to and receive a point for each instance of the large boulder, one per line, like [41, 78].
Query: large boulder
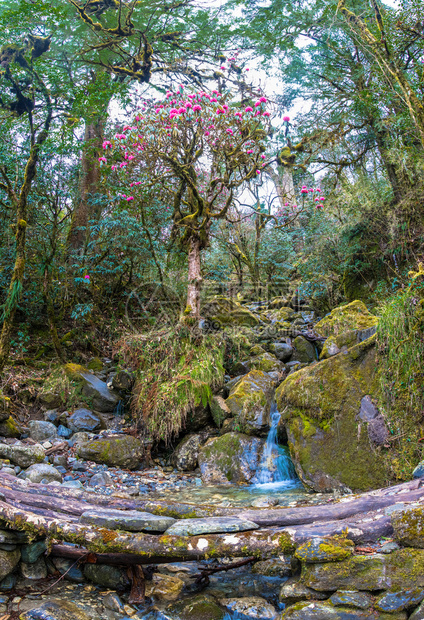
[39, 430]
[187, 451]
[250, 402]
[266, 362]
[329, 441]
[43, 471]
[10, 428]
[304, 350]
[282, 350]
[22, 455]
[85, 420]
[93, 388]
[231, 458]
[122, 451]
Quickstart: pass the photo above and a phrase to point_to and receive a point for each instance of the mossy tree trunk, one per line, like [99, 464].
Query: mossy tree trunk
[194, 277]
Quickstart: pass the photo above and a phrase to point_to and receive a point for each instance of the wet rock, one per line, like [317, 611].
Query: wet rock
[81, 437]
[164, 587]
[378, 432]
[40, 430]
[199, 607]
[250, 402]
[85, 420]
[320, 405]
[293, 591]
[325, 550]
[219, 410]
[22, 455]
[68, 569]
[187, 451]
[103, 399]
[304, 350]
[122, 451]
[8, 561]
[209, 525]
[107, 576]
[351, 598]
[31, 552]
[267, 363]
[325, 611]
[55, 610]
[231, 458]
[281, 350]
[253, 607]
[419, 470]
[43, 471]
[8, 583]
[35, 570]
[391, 602]
[276, 567]
[64, 432]
[129, 520]
[10, 428]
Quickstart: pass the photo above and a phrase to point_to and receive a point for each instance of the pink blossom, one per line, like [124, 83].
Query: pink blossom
[86, 277]
[107, 144]
[130, 198]
[257, 104]
[230, 131]
[222, 68]
[120, 136]
[263, 156]
[249, 151]
[113, 167]
[247, 69]
[122, 164]
[213, 99]
[322, 198]
[103, 159]
[266, 113]
[286, 119]
[207, 133]
[188, 105]
[157, 111]
[258, 172]
[248, 109]
[197, 107]
[238, 114]
[182, 111]
[225, 106]
[262, 99]
[220, 111]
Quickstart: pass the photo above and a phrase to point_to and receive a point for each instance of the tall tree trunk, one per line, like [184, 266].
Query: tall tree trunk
[87, 207]
[284, 185]
[194, 278]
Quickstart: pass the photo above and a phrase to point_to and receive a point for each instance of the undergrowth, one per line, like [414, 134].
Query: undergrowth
[400, 341]
[177, 371]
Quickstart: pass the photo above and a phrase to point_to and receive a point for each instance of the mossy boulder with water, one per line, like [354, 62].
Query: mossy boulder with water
[250, 402]
[329, 443]
[231, 458]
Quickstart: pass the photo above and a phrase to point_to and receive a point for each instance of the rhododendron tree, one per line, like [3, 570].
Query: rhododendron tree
[197, 148]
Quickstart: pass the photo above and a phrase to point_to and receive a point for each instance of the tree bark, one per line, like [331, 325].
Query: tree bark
[88, 207]
[194, 278]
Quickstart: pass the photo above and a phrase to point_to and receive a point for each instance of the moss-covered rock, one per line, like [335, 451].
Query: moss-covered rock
[187, 451]
[95, 364]
[231, 458]
[122, 451]
[250, 402]
[353, 316]
[227, 311]
[4, 407]
[315, 610]
[408, 527]
[199, 607]
[328, 442]
[330, 549]
[304, 350]
[220, 411]
[401, 570]
[10, 428]
[266, 362]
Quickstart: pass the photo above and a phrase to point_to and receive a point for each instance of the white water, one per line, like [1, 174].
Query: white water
[276, 470]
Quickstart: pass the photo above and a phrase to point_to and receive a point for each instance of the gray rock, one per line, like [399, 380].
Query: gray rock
[351, 598]
[107, 576]
[56, 610]
[219, 410]
[59, 460]
[128, 520]
[69, 569]
[232, 458]
[281, 350]
[64, 432]
[122, 451]
[85, 420]
[419, 470]
[112, 601]
[314, 610]
[104, 400]
[8, 470]
[305, 350]
[102, 479]
[210, 525]
[253, 607]
[76, 438]
[275, 567]
[8, 561]
[199, 607]
[123, 380]
[43, 471]
[418, 613]
[51, 400]
[35, 570]
[22, 455]
[391, 602]
[389, 547]
[293, 591]
[51, 415]
[40, 430]
[324, 550]
[250, 402]
[187, 451]
[73, 484]
[31, 552]
[377, 429]
[8, 583]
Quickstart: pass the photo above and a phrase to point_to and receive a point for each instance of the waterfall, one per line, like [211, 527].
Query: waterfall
[275, 469]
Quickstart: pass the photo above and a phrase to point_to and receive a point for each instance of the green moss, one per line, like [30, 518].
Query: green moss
[353, 316]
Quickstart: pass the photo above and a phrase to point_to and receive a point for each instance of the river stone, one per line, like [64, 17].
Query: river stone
[209, 525]
[31, 552]
[164, 587]
[281, 350]
[35, 570]
[85, 420]
[8, 561]
[68, 569]
[304, 350]
[398, 601]
[187, 451]
[50, 400]
[128, 520]
[122, 451]
[10, 428]
[325, 611]
[107, 576]
[55, 610]
[4, 407]
[329, 445]
[325, 550]
[199, 607]
[220, 411]
[378, 432]
[123, 380]
[40, 430]
[232, 458]
[22, 455]
[419, 470]
[253, 607]
[293, 591]
[276, 567]
[266, 362]
[351, 598]
[250, 402]
[103, 399]
[102, 479]
[418, 614]
[408, 527]
[43, 471]
[399, 570]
